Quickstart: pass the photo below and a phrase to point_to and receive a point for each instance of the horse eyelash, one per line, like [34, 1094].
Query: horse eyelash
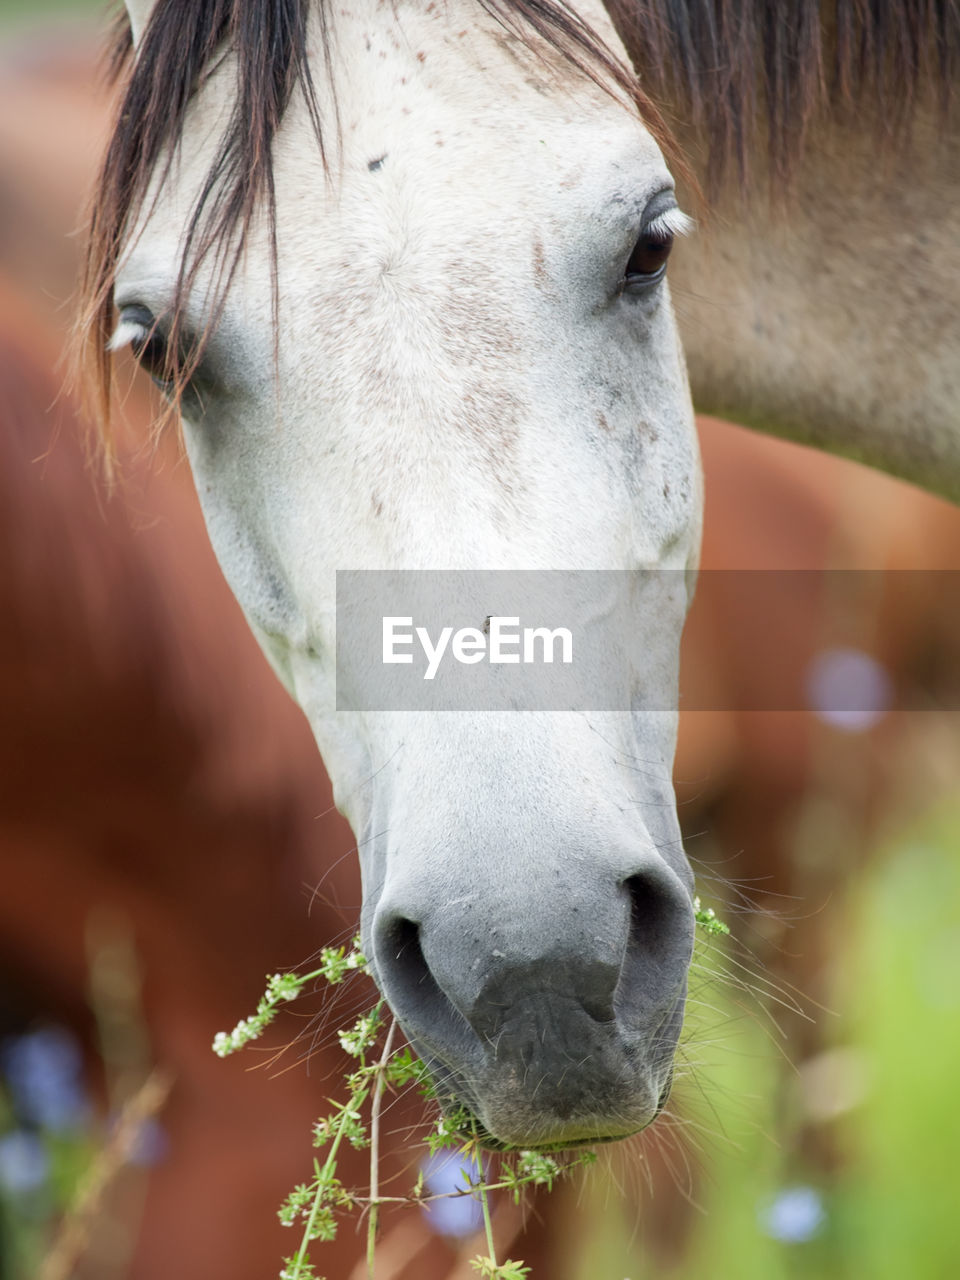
[673, 222]
[126, 333]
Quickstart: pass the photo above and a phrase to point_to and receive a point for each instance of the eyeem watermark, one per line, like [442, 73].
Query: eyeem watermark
[501, 641]
[506, 641]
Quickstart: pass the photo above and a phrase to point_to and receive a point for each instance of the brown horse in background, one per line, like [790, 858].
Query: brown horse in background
[158, 784]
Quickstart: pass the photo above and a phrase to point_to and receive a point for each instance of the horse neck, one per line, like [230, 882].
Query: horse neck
[825, 309]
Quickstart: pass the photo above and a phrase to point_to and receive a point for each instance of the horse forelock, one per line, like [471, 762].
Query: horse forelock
[267, 39]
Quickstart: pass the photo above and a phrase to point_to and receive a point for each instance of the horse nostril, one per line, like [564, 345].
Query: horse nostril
[659, 943]
[409, 973]
[651, 915]
[410, 987]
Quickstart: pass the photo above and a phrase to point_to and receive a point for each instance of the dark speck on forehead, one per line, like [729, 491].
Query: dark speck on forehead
[374, 165]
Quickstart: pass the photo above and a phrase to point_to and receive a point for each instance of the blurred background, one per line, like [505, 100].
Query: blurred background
[167, 839]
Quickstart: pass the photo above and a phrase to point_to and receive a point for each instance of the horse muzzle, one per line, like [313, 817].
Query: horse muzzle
[554, 1020]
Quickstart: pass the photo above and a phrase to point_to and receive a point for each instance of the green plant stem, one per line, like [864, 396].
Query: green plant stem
[374, 1218]
[485, 1205]
[323, 1176]
[440, 1195]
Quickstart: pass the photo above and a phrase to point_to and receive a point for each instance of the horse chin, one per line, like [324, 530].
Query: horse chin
[457, 1102]
[489, 1143]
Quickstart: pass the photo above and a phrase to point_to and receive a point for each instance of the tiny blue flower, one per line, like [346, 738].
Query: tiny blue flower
[44, 1070]
[794, 1216]
[24, 1165]
[442, 1173]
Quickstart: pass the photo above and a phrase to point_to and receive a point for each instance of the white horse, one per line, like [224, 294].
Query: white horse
[443, 339]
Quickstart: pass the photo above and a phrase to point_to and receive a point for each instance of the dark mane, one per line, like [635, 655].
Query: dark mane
[734, 68]
[742, 69]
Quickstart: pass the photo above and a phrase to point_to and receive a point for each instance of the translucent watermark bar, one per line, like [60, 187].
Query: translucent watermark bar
[848, 645]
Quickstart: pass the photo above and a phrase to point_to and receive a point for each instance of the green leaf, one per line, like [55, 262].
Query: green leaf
[405, 1067]
[293, 1269]
[297, 1202]
[363, 1033]
[707, 919]
[508, 1270]
[451, 1130]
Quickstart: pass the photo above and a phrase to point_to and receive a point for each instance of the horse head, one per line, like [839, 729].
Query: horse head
[441, 338]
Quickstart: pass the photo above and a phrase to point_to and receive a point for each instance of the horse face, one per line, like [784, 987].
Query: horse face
[461, 378]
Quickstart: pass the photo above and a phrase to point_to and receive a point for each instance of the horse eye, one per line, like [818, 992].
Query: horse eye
[648, 262]
[662, 222]
[139, 330]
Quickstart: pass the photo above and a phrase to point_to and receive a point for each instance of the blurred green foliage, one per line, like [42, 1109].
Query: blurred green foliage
[19, 13]
[36, 1186]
